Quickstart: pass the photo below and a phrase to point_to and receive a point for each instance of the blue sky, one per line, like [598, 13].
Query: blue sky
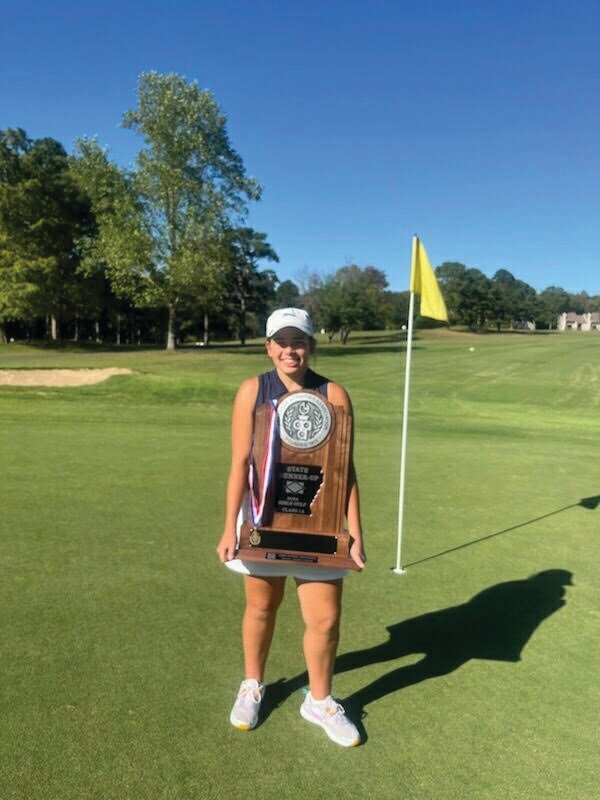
[474, 124]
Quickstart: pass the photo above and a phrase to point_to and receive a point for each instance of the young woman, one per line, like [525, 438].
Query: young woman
[289, 344]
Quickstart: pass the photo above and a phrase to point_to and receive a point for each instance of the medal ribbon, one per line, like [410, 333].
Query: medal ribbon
[258, 494]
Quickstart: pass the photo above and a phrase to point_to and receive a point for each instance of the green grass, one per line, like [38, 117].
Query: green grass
[120, 650]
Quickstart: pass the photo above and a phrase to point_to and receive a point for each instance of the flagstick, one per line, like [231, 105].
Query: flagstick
[411, 306]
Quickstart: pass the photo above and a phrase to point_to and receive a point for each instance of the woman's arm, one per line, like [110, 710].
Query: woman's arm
[338, 396]
[242, 424]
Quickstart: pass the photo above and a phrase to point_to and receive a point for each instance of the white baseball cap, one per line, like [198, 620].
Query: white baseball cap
[289, 318]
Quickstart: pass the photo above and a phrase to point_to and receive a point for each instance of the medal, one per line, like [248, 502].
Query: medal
[254, 538]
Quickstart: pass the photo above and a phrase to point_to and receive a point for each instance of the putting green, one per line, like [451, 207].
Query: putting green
[121, 653]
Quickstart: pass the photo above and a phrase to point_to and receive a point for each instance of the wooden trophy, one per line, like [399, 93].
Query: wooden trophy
[304, 491]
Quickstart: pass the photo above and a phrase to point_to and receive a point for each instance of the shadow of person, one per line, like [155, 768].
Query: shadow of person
[495, 624]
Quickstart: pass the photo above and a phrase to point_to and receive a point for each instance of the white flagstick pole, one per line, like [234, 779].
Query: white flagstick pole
[411, 306]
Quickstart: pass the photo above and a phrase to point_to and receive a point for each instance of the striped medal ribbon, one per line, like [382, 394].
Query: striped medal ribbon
[258, 493]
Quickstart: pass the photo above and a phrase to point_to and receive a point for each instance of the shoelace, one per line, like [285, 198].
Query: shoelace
[336, 710]
[250, 695]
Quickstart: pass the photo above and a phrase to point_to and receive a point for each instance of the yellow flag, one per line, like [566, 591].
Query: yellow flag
[423, 282]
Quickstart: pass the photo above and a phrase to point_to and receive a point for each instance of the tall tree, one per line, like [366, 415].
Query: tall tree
[396, 309]
[188, 186]
[309, 283]
[467, 293]
[212, 275]
[475, 299]
[44, 216]
[580, 302]
[518, 299]
[252, 290]
[189, 179]
[553, 301]
[452, 279]
[353, 299]
[287, 295]
[122, 246]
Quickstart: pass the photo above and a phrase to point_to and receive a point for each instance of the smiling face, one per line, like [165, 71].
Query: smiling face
[289, 350]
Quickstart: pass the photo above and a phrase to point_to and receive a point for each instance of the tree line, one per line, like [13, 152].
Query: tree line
[90, 250]
[504, 301]
[161, 252]
[357, 298]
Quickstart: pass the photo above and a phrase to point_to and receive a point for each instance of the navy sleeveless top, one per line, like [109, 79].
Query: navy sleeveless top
[270, 386]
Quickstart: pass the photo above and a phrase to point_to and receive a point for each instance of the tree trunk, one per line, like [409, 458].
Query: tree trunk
[118, 336]
[242, 331]
[171, 330]
[76, 331]
[205, 340]
[2, 334]
[54, 328]
[97, 328]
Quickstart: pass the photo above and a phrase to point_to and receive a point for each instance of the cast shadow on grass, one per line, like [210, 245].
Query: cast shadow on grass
[495, 624]
[590, 503]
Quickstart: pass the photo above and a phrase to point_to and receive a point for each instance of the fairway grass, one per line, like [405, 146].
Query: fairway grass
[121, 656]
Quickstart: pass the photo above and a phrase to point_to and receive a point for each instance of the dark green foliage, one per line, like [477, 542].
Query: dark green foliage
[166, 224]
[479, 302]
[44, 219]
[251, 291]
[287, 295]
[352, 299]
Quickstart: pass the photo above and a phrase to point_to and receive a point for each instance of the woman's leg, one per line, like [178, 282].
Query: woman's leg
[263, 598]
[320, 603]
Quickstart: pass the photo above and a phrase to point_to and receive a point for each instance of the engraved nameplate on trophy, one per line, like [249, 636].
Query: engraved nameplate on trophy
[306, 490]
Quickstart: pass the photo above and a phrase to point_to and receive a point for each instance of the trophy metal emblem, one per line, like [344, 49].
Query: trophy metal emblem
[299, 483]
[304, 419]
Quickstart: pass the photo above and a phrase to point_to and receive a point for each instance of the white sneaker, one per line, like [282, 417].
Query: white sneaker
[244, 714]
[331, 716]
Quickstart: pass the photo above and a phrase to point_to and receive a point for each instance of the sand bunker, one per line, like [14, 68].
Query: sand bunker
[58, 377]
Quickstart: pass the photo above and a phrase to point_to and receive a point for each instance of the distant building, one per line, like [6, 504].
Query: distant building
[570, 321]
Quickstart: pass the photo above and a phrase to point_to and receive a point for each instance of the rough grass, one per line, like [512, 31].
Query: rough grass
[121, 653]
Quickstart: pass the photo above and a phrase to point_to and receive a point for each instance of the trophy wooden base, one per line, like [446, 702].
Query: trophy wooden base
[287, 547]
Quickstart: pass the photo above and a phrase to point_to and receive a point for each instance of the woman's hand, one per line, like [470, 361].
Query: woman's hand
[227, 546]
[357, 551]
